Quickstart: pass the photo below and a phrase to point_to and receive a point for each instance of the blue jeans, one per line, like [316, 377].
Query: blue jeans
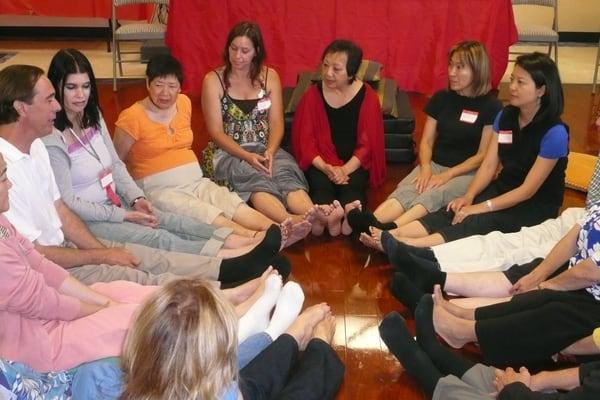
[99, 379]
[251, 347]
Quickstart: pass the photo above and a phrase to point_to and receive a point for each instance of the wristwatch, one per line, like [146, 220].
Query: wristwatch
[136, 200]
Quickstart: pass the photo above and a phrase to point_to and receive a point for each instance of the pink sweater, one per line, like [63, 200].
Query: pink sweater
[38, 325]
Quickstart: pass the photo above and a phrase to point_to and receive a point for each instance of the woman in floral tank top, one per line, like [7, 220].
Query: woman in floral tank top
[242, 106]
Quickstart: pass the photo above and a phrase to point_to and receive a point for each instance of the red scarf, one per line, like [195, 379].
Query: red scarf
[311, 134]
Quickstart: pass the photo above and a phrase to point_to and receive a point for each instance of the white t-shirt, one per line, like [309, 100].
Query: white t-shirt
[33, 193]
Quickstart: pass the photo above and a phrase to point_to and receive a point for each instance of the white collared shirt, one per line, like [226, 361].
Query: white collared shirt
[33, 193]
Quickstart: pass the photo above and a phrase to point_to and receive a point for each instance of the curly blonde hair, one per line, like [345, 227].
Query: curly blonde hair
[182, 345]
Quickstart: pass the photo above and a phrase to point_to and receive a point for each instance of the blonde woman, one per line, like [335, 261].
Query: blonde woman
[192, 330]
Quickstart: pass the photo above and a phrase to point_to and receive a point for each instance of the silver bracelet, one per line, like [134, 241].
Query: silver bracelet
[489, 205]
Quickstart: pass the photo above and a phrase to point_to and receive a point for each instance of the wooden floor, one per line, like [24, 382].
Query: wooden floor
[354, 280]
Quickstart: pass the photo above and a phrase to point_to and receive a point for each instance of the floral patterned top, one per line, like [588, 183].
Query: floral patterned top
[588, 243]
[24, 383]
[246, 127]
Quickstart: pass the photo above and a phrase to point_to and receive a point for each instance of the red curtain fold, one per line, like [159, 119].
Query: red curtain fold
[410, 38]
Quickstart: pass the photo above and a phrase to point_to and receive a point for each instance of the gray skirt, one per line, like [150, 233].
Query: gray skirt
[245, 179]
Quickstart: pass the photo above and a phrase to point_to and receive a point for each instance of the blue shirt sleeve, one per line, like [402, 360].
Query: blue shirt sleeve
[555, 143]
[496, 125]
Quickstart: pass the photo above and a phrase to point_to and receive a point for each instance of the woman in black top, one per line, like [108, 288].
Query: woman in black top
[455, 137]
[530, 144]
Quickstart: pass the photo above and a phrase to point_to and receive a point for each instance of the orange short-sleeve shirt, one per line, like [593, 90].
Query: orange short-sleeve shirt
[155, 149]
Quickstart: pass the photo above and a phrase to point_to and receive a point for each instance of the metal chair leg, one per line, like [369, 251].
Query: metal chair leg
[114, 58]
[596, 69]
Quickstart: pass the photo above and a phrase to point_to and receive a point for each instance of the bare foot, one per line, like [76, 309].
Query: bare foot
[346, 228]
[235, 241]
[302, 328]
[298, 232]
[317, 216]
[373, 240]
[325, 329]
[286, 229]
[451, 328]
[334, 220]
[454, 309]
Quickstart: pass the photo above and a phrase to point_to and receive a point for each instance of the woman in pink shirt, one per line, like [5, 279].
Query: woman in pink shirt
[48, 319]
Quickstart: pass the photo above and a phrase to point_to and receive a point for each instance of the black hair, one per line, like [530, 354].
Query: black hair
[64, 63]
[544, 72]
[353, 52]
[164, 65]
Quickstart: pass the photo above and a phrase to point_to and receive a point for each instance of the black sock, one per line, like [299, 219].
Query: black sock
[425, 273]
[399, 341]
[253, 263]
[422, 252]
[447, 362]
[405, 291]
[421, 271]
[360, 221]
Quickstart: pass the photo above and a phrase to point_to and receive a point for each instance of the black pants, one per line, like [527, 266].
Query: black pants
[533, 326]
[323, 191]
[527, 213]
[281, 372]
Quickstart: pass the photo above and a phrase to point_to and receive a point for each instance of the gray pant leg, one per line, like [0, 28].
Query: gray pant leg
[156, 261]
[193, 229]
[161, 238]
[91, 273]
[476, 384]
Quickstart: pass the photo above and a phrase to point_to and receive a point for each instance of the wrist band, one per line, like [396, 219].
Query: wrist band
[489, 205]
[136, 200]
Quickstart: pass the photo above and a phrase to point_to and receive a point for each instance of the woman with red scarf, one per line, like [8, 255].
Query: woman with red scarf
[337, 134]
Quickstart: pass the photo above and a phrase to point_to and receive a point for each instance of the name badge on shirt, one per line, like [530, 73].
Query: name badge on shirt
[263, 104]
[469, 116]
[505, 137]
[106, 178]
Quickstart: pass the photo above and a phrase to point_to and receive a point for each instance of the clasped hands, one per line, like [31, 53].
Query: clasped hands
[262, 163]
[336, 174]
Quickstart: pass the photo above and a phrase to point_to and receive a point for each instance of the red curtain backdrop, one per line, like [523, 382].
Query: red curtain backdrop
[410, 37]
[73, 8]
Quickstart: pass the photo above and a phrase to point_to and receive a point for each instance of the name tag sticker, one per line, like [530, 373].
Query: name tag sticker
[106, 178]
[263, 104]
[505, 137]
[469, 116]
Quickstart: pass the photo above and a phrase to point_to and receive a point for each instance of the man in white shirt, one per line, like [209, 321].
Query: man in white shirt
[27, 111]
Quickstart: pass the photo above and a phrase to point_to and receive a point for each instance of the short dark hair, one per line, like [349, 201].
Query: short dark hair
[64, 63]
[353, 52]
[164, 65]
[251, 30]
[17, 82]
[544, 72]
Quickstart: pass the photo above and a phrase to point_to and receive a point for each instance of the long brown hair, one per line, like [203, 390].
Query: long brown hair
[252, 32]
[182, 345]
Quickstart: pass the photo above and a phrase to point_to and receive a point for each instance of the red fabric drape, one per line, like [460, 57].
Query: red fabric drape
[410, 37]
[70, 8]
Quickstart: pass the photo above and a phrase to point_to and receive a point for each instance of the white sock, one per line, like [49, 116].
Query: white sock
[256, 318]
[287, 309]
